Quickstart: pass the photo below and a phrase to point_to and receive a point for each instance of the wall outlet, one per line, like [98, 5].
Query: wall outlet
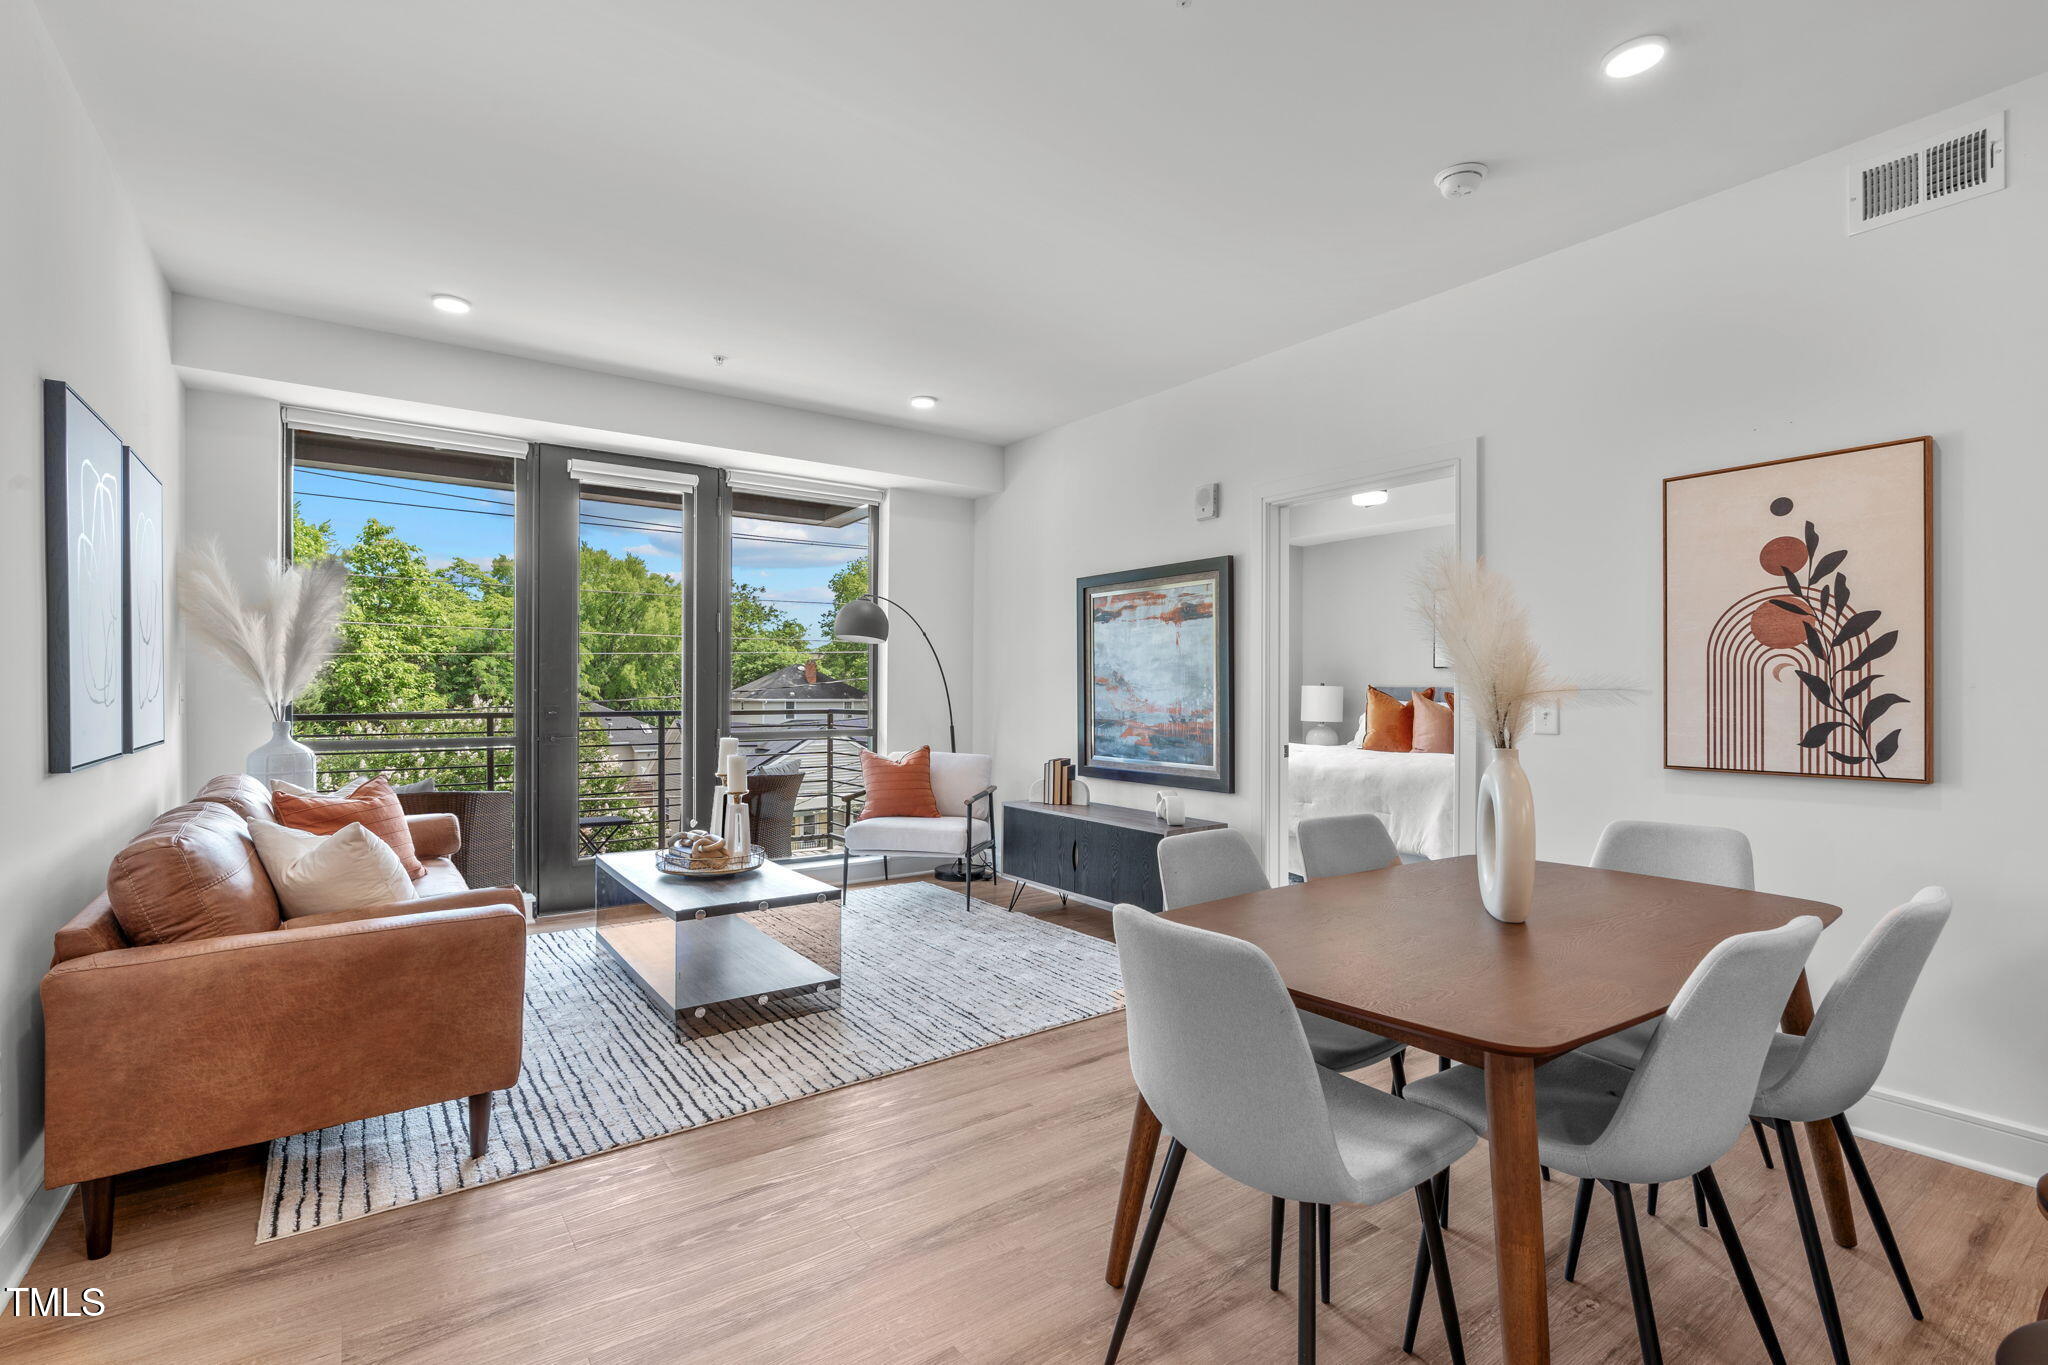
[1208, 502]
[1543, 718]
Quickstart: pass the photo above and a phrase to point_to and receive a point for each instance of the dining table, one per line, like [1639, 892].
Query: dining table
[1409, 952]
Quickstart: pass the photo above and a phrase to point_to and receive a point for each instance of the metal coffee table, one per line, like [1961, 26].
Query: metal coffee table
[710, 952]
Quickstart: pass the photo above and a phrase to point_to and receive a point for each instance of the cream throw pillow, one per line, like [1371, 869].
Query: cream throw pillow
[317, 874]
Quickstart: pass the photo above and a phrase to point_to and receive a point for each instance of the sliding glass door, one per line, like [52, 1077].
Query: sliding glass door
[624, 667]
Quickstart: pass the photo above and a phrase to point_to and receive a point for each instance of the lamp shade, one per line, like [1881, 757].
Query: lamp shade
[862, 621]
[1321, 703]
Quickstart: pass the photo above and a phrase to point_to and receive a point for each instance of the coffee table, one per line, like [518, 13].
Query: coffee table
[709, 952]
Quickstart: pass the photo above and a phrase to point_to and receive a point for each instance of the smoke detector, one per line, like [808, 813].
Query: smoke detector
[1455, 182]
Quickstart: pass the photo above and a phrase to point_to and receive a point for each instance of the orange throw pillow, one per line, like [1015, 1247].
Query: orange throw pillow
[373, 805]
[898, 786]
[1433, 727]
[1389, 723]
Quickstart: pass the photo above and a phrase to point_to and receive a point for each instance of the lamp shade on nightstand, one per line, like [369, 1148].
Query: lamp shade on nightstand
[1321, 704]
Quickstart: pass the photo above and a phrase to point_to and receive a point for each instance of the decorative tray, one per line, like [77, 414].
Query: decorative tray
[667, 861]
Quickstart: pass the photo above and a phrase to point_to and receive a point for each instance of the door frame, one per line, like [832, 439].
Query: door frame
[552, 864]
[1458, 460]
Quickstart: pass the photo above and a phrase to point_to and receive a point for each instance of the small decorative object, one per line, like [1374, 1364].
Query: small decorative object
[144, 606]
[1322, 706]
[84, 497]
[701, 854]
[1154, 675]
[1170, 809]
[1799, 616]
[277, 640]
[1501, 675]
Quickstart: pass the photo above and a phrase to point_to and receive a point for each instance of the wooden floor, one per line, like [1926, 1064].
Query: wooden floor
[960, 1212]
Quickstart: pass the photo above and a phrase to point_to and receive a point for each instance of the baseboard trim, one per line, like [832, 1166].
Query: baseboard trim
[1962, 1137]
[29, 1230]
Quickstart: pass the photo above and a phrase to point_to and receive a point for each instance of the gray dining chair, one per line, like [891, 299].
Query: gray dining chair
[1339, 845]
[1218, 1053]
[1670, 1118]
[1818, 1076]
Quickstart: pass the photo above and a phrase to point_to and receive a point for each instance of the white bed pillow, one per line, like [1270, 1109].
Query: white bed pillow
[317, 874]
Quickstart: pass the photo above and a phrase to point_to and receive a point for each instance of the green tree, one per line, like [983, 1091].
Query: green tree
[764, 637]
[632, 632]
[847, 662]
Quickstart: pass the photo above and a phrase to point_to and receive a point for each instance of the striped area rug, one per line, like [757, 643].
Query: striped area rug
[925, 978]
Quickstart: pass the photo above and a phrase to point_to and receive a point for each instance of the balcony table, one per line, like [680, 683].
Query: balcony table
[1410, 953]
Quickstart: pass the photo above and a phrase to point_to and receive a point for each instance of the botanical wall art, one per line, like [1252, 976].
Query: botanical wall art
[1154, 678]
[84, 501]
[146, 606]
[1799, 616]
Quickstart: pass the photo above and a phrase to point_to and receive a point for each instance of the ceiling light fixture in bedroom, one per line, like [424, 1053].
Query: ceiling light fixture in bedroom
[924, 401]
[1635, 56]
[449, 303]
[1370, 499]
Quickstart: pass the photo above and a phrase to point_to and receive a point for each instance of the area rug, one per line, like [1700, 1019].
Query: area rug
[926, 978]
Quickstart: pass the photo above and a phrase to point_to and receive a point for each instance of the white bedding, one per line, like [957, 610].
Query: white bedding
[1413, 793]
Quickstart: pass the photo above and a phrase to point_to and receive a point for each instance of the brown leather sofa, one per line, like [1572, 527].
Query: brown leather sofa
[183, 1016]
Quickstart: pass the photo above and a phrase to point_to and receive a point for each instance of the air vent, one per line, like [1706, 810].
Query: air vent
[1916, 180]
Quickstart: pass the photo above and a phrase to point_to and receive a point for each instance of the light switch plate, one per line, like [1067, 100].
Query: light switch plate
[1543, 718]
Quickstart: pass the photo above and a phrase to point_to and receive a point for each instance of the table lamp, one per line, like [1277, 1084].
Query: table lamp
[1321, 705]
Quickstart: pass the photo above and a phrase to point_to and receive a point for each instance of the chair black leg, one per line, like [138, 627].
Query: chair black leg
[1875, 1207]
[845, 869]
[1169, 1174]
[1638, 1275]
[1809, 1233]
[1399, 1062]
[1305, 1284]
[1443, 1197]
[1323, 1246]
[1546, 1174]
[1443, 1064]
[1652, 1201]
[1279, 1229]
[1418, 1284]
[1582, 1205]
[1709, 1190]
[1446, 1300]
[1699, 1201]
[1756, 1128]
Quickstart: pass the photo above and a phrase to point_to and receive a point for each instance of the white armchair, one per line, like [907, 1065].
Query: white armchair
[964, 789]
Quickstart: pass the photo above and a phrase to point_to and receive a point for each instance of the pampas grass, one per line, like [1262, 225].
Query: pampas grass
[277, 638]
[1501, 674]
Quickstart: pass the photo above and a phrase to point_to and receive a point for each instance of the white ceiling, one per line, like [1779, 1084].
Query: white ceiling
[1035, 209]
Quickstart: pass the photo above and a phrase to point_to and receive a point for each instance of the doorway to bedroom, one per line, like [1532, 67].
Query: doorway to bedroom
[1362, 704]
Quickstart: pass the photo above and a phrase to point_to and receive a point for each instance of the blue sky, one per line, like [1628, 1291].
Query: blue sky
[792, 564]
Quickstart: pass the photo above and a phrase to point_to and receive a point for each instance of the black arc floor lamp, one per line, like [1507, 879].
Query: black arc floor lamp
[863, 622]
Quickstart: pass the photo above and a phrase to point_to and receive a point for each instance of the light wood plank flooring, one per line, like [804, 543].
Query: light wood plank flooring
[957, 1213]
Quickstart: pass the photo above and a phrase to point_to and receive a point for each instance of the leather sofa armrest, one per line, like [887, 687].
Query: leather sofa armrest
[437, 835]
[452, 900]
[175, 1049]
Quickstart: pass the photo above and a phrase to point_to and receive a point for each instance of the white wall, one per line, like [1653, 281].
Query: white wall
[928, 565]
[81, 301]
[1356, 627]
[1743, 327]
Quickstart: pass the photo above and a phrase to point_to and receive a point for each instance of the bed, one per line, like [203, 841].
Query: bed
[1415, 794]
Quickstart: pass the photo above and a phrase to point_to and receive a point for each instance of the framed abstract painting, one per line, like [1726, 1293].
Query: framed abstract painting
[1799, 616]
[145, 608]
[1154, 675]
[85, 575]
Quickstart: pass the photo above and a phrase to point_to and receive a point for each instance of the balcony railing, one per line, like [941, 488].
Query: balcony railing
[631, 787]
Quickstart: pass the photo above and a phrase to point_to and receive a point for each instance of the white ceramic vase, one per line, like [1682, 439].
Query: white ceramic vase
[1507, 839]
[283, 759]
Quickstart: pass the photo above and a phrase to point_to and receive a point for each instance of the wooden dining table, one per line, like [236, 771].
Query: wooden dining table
[1410, 953]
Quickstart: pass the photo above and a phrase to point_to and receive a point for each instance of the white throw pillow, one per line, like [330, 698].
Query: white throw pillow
[317, 874]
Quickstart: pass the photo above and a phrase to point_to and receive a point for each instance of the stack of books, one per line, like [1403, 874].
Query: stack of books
[1059, 782]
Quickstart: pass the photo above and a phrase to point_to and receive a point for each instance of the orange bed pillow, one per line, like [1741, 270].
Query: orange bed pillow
[898, 786]
[1389, 723]
[1433, 725]
[373, 805]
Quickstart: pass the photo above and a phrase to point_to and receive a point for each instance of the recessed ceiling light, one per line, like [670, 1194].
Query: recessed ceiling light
[1372, 498]
[924, 400]
[449, 303]
[1635, 56]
